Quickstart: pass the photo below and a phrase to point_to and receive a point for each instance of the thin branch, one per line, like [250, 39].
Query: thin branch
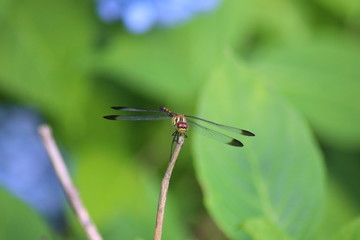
[67, 185]
[164, 189]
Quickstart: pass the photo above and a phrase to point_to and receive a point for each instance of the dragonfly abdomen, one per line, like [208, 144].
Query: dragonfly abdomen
[164, 109]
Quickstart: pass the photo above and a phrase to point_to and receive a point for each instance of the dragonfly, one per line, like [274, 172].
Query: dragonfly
[181, 124]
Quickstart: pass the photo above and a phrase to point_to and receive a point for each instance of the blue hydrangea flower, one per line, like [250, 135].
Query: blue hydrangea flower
[139, 16]
[25, 168]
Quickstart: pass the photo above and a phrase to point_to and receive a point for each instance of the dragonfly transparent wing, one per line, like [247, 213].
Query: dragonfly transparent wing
[225, 127]
[215, 135]
[135, 118]
[136, 110]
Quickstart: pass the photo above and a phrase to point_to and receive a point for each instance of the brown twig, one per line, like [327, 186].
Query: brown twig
[67, 185]
[164, 189]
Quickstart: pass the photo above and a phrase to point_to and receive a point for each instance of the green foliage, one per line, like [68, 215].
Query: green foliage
[327, 92]
[16, 215]
[263, 186]
[285, 70]
[350, 232]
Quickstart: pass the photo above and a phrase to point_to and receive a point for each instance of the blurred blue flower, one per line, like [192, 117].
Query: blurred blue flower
[25, 168]
[140, 16]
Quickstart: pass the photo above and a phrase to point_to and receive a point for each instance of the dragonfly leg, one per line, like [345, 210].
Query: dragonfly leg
[176, 135]
[175, 139]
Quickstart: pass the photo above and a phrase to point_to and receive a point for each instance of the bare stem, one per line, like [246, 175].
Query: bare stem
[67, 185]
[164, 189]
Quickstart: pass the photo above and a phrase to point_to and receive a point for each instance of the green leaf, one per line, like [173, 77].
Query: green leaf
[122, 198]
[321, 79]
[342, 192]
[276, 177]
[176, 60]
[19, 221]
[44, 56]
[348, 10]
[350, 232]
[273, 28]
[340, 209]
[262, 228]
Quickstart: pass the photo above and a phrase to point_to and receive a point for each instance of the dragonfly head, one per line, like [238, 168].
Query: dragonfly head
[181, 127]
[179, 122]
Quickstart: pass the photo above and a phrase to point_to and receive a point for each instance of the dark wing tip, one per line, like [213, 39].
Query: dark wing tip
[118, 108]
[111, 117]
[247, 133]
[235, 143]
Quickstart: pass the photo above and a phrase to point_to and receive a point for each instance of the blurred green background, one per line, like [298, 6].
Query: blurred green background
[287, 70]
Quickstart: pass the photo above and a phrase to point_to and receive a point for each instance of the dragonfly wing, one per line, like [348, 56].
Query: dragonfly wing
[215, 135]
[225, 127]
[135, 118]
[135, 109]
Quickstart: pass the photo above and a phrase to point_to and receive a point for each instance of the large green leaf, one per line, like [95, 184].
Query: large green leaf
[321, 79]
[350, 232]
[276, 182]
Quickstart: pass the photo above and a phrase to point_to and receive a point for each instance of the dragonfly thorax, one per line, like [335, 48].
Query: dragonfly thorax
[179, 122]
